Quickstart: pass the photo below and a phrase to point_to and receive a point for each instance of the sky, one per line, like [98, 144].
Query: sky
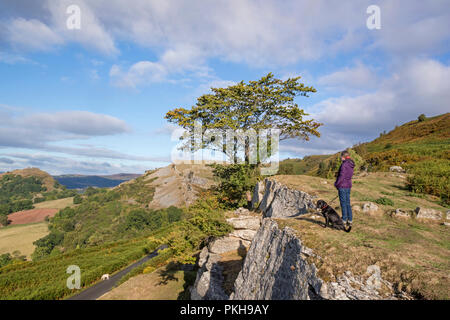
[92, 100]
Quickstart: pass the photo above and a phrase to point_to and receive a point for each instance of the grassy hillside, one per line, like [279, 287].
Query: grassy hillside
[420, 147]
[45, 278]
[21, 189]
[412, 254]
[21, 238]
[47, 181]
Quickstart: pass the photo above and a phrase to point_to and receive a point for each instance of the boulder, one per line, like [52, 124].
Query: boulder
[424, 213]
[401, 213]
[226, 244]
[396, 169]
[242, 212]
[244, 234]
[251, 223]
[370, 208]
[279, 201]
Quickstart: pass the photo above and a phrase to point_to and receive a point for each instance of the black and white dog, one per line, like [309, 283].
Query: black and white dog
[331, 215]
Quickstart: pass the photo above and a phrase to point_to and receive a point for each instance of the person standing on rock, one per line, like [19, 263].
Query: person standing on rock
[344, 184]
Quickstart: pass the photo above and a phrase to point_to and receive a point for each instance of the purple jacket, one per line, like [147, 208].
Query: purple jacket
[344, 179]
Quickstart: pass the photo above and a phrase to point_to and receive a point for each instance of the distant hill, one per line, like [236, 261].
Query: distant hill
[422, 148]
[85, 181]
[46, 178]
[21, 189]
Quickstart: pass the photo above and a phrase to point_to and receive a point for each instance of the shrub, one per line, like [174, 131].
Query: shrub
[234, 181]
[4, 220]
[77, 199]
[422, 118]
[385, 201]
[431, 177]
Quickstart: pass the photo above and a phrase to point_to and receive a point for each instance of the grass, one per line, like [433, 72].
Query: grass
[165, 283]
[371, 188]
[413, 255]
[55, 204]
[21, 237]
[46, 279]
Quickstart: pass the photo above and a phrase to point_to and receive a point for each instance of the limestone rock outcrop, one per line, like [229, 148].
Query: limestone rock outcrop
[275, 269]
[279, 201]
[209, 282]
[424, 213]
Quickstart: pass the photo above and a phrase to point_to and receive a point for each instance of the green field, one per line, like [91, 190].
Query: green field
[21, 237]
[55, 204]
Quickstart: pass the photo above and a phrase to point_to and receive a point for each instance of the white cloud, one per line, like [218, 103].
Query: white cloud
[80, 123]
[175, 65]
[254, 32]
[360, 77]
[416, 86]
[9, 58]
[32, 35]
[62, 165]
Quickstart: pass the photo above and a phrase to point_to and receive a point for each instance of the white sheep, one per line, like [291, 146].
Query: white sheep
[105, 276]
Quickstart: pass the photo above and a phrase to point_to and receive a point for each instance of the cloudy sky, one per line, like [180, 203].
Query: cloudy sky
[92, 100]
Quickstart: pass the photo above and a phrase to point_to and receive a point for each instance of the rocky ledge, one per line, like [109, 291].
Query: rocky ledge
[276, 200]
[276, 268]
[209, 282]
[276, 263]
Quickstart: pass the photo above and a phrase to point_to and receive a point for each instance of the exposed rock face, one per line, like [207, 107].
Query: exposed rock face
[251, 223]
[423, 213]
[280, 201]
[276, 265]
[345, 287]
[227, 244]
[258, 194]
[209, 282]
[208, 285]
[275, 268]
[178, 184]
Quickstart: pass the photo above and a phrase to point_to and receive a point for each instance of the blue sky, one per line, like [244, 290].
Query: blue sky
[93, 100]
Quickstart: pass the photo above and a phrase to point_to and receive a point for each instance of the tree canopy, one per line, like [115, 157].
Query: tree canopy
[265, 104]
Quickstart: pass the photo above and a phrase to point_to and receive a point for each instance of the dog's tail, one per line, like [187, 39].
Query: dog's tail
[348, 228]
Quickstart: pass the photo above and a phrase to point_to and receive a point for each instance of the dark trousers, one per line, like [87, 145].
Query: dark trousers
[344, 198]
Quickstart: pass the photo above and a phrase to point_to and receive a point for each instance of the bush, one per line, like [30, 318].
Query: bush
[4, 220]
[5, 259]
[234, 181]
[77, 199]
[431, 177]
[385, 201]
[422, 118]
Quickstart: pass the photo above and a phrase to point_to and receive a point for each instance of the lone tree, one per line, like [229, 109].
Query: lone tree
[264, 104]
